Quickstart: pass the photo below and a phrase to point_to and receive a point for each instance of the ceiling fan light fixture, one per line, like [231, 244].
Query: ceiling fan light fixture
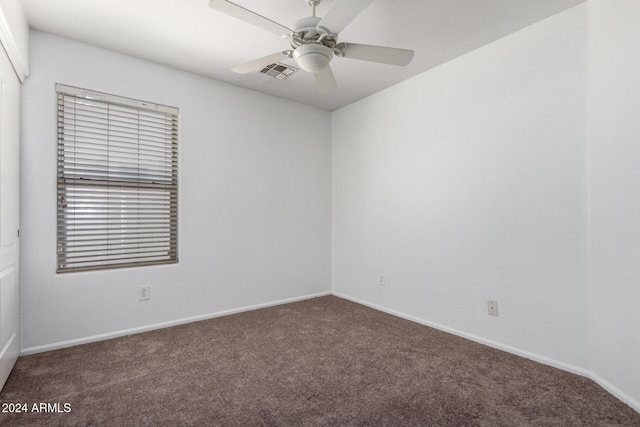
[313, 58]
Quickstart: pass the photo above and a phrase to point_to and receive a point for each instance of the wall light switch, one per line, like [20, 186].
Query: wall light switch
[381, 279]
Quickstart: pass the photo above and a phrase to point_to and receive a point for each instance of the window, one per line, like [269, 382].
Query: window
[117, 182]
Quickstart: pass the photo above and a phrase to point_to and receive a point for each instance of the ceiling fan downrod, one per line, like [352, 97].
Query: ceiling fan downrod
[313, 4]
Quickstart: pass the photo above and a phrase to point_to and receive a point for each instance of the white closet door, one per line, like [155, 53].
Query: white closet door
[9, 216]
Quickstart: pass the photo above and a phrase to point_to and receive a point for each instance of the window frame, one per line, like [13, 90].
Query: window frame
[117, 182]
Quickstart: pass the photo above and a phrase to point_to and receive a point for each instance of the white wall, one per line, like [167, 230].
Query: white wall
[254, 200]
[614, 131]
[468, 183]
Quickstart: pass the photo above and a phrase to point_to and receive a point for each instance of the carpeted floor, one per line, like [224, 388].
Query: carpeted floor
[324, 361]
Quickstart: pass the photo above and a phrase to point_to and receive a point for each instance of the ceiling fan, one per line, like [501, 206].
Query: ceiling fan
[314, 40]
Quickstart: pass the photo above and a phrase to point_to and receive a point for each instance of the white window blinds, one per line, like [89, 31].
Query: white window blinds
[117, 182]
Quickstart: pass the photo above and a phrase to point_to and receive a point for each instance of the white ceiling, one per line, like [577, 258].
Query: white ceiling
[188, 35]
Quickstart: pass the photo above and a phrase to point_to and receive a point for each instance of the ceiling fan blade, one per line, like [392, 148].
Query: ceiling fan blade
[252, 66]
[341, 13]
[325, 80]
[384, 55]
[246, 15]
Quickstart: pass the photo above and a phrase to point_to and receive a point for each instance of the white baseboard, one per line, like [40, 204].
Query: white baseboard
[619, 394]
[615, 391]
[101, 337]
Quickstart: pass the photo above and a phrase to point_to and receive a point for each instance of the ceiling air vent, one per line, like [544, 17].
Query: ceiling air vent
[279, 71]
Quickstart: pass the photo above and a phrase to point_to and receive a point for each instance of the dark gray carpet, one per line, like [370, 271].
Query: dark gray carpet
[324, 361]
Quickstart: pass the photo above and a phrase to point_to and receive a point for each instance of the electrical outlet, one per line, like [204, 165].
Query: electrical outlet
[381, 279]
[143, 293]
[492, 306]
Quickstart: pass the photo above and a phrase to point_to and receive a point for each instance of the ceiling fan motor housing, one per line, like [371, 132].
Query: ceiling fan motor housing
[307, 27]
[310, 52]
